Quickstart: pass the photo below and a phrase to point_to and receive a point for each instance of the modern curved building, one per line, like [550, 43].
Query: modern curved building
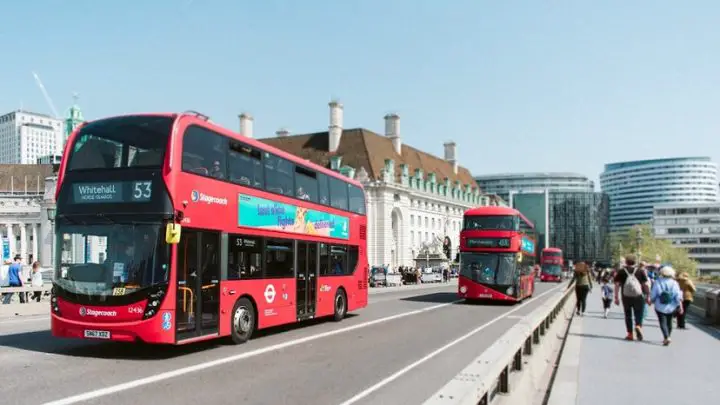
[636, 187]
[504, 184]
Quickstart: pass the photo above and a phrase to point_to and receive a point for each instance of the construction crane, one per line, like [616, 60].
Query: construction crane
[46, 95]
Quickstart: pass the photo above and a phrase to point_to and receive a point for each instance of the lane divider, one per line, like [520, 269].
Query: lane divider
[363, 394]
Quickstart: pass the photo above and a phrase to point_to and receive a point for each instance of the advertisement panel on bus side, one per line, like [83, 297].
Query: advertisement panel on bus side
[256, 212]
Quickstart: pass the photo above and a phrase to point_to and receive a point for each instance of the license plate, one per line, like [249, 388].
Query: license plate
[97, 334]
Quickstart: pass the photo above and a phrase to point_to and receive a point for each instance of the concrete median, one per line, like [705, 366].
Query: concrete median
[518, 367]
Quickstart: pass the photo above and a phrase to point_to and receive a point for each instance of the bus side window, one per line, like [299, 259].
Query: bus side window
[278, 175]
[306, 184]
[245, 165]
[204, 152]
[279, 258]
[338, 194]
[338, 260]
[352, 259]
[357, 199]
[323, 190]
[245, 257]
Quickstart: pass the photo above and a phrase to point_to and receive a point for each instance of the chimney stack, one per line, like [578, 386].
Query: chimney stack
[450, 155]
[282, 132]
[246, 125]
[392, 131]
[336, 126]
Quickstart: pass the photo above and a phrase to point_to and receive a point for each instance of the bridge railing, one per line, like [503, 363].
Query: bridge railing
[490, 373]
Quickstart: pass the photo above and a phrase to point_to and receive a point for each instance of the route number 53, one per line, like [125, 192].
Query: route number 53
[142, 190]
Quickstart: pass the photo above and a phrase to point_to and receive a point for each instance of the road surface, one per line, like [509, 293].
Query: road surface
[399, 350]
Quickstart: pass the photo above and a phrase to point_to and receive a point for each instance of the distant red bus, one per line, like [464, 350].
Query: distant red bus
[551, 260]
[497, 255]
[172, 230]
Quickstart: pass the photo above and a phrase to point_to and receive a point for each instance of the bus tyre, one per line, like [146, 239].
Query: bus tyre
[340, 305]
[242, 321]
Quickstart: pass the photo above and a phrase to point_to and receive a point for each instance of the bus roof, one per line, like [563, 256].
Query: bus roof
[197, 119]
[492, 210]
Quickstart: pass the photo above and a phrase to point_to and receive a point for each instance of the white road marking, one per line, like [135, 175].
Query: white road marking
[214, 363]
[434, 353]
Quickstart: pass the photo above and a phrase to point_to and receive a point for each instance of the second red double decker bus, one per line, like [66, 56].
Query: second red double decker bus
[551, 262]
[171, 229]
[497, 255]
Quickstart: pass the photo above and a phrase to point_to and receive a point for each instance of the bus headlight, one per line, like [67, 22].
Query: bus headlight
[510, 290]
[54, 302]
[153, 303]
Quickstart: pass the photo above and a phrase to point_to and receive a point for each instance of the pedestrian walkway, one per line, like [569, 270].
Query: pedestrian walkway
[598, 367]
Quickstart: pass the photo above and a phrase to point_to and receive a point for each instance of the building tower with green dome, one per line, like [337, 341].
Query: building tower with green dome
[73, 120]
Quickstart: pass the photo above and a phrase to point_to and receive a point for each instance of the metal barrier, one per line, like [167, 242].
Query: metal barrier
[489, 374]
[712, 305]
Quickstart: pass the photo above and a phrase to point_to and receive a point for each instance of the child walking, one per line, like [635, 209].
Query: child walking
[607, 295]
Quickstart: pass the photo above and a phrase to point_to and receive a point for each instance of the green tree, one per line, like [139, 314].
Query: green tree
[640, 238]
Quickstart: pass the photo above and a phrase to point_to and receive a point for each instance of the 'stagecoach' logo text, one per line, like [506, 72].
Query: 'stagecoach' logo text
[93, 312]
[197, 196]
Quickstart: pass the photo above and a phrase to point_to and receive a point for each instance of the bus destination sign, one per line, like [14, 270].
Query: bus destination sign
[112, 192]
[528, 245]
[503, 243]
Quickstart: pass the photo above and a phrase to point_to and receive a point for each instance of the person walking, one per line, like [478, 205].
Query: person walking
[583, 285]
[36, 281]
[632, 284]
[688, 289]
[667, 298]
[15, 280]
[607, 295]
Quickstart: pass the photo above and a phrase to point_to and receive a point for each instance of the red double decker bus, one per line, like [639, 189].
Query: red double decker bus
[497, 255]
[172, 230]
[551, 260]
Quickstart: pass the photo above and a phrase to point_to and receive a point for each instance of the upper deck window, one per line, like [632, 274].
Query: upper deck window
[132, 141]
[245, 165]
[491, 222]
[278, 175]
[204, 152]
[306, 184]
[338, 194]
[357, 199]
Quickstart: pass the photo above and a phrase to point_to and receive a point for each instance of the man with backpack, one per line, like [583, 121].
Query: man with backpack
[632, 283]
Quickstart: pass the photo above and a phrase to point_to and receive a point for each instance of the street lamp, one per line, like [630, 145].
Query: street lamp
[51, 217]
[638, 240]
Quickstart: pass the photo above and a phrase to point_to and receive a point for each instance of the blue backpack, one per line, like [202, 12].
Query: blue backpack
[666, 296]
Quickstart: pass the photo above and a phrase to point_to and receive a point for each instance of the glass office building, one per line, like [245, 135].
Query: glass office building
[577, 222]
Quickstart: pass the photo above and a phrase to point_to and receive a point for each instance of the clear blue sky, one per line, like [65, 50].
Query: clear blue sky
[519, 85]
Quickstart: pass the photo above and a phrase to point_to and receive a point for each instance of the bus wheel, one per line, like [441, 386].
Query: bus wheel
[243, 321]
[340, 305]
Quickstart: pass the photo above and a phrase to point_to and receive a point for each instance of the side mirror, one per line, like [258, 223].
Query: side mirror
[172, 233]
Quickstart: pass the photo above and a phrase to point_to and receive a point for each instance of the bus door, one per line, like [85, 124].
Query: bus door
[306, 282]
[198, 284]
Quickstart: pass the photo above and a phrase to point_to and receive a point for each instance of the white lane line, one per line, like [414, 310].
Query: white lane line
[404, 370]
[214, 363]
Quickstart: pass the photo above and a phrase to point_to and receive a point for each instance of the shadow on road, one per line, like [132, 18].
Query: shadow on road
[448, 297]
[44, 342]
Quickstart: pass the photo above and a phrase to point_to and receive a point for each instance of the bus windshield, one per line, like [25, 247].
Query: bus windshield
[492, 222]
[552, 269]
[489, 268]
[131, 141]
[111, 259]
